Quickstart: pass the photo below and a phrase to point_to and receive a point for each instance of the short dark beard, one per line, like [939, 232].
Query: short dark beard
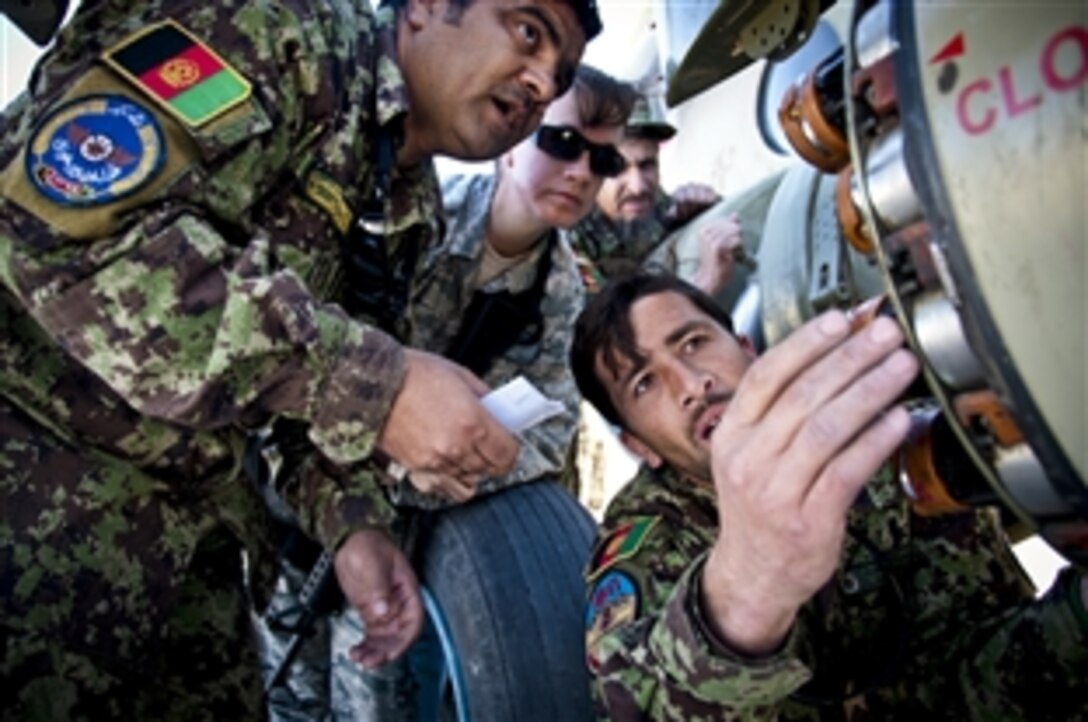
[630, 232]
[634, 234]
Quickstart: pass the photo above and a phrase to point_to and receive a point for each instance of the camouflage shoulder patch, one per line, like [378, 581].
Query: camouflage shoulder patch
[614, 601]
[179, 73]
[622, 544]
[93, 150]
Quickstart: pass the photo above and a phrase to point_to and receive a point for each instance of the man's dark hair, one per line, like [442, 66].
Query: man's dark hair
[604, 329]
[602, 100]
[585, 10]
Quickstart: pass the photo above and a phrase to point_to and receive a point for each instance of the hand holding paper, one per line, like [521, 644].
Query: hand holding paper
[517, 405]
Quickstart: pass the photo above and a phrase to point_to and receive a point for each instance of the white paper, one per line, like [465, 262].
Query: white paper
[518, 405]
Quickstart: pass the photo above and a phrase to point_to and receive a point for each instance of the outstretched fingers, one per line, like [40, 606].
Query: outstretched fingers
[761, 398]
[805, 401]
[843, 478]
[845, 391]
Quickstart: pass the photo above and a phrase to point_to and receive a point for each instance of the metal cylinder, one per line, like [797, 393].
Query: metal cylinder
[935, 471]
[894, 199]
[940, 334]
[1024, 478]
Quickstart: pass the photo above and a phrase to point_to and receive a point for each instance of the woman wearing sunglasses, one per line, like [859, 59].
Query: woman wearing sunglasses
[504, 246]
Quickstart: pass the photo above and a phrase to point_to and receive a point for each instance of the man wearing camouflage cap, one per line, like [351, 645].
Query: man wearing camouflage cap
[199, 205]
[766, 566]
[634, 215]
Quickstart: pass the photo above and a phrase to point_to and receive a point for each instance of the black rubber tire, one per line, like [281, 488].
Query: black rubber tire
[507, 573]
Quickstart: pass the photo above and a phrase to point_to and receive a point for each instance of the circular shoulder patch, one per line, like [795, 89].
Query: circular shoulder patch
[613, 601]
[94, 150]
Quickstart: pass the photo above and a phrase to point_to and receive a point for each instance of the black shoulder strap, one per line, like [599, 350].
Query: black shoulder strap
[493, 322]
[377, 282]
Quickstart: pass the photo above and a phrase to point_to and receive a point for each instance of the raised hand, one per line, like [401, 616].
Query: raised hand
[718, 241]
[811, 421]
[688, 201]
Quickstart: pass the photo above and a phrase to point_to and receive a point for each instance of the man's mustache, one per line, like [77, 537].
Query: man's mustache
[711, 399]
[642, 197]
[519, 103]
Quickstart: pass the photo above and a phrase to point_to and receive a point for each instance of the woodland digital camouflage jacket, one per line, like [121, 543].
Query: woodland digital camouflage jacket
[602, 248]
[444, 289]
[925, 619]
[169, 269]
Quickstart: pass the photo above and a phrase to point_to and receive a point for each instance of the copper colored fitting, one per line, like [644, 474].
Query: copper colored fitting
[984, 406]
[800, 109]
[853, 228]
[918, 473]
[863, 314]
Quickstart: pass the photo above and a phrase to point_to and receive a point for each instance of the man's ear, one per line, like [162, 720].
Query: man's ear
[418, 12]
[641, 450]
[747, 346]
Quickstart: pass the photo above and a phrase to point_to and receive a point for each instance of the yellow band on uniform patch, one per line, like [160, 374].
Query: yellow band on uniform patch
[159, 167]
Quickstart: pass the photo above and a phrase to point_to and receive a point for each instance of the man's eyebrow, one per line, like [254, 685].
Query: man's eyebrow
[677, 335]
[637, 364]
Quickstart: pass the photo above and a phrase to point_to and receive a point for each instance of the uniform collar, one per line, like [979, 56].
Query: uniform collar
[468, 202]
[391, 92]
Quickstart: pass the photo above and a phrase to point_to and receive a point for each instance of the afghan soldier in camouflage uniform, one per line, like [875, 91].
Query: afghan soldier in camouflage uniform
[633, 215]
[502, 243]
[180, 184]
[753, 574]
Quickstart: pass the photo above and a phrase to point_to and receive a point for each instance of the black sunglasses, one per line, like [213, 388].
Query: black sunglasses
[563, 142]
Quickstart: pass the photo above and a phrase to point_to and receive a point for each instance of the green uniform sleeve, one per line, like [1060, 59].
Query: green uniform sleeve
[332, 501]
[650, 652]
[182, 304]
[926, 618]
[667, 666]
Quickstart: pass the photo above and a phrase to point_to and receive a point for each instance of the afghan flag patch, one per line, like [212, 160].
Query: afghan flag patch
[623, 543]
[179, 72]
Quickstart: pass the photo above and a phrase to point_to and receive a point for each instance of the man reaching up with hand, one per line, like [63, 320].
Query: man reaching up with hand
[765, 565]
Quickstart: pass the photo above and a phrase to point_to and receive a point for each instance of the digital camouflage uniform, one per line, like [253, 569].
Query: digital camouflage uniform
[443, 289]
[441, 295]
[926, 619]
[169, 259]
